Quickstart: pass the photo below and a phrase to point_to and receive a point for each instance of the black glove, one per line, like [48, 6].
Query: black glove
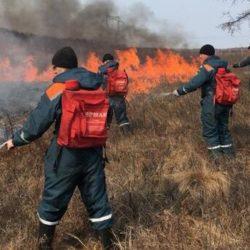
[236, 65]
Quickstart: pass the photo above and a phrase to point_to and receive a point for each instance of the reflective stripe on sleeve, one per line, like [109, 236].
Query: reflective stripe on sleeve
[107, 217]
[184, 90]
[22, 137]
[48, 223]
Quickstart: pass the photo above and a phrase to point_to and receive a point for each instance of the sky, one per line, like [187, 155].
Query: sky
[199, 20]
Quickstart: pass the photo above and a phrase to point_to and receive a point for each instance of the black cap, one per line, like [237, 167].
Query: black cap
[207, 50]
[248, 47]
[65, 58]
[107, 57]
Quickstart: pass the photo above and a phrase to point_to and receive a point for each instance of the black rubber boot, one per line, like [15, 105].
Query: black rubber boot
[215, 155]
[229, 152]
[107, 239]
[45, 237]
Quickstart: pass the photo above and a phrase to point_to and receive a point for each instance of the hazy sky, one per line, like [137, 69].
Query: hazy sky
[199, 19]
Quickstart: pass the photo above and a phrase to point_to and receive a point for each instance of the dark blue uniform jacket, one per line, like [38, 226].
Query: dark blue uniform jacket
[204, 78]
[48, 110]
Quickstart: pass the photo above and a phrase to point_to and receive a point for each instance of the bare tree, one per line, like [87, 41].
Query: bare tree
[234, 22]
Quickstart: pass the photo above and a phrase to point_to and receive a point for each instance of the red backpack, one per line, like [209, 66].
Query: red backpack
[117, 82]
[83, 120]
[227, 91]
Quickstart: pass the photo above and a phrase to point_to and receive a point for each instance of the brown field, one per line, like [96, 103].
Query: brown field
[165, 191]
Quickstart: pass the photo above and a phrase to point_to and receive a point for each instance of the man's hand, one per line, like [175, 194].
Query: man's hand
[9, 144]
[236, 65]
[175, 93]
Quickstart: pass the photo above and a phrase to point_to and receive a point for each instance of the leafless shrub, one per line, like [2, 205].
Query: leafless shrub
[234, 22]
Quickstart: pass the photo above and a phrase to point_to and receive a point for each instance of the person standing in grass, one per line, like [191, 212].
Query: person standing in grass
[244, 62]
[67, 167]
[214, 117]
[117, 93]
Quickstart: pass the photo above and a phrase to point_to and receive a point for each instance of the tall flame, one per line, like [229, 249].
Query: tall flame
[24, 72]
[165, 66]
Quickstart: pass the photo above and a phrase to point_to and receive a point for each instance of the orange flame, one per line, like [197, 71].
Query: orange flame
[164, 67]
[169, 67]
[31, 73]
[93, 62]
[25, 72]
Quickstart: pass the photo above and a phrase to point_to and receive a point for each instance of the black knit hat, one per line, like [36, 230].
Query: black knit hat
[107, 57]
[207, 50]
[65, 58]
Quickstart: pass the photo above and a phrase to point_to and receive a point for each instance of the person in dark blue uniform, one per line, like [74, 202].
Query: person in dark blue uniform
[117, 102]
[214, 117]
[244, 62]
[67, 168]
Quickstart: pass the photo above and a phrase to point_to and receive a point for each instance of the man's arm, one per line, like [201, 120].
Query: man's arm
[197, 81]
[92, 81]
[41, 117]
[103, 69]
[242, 63]
[87, 79]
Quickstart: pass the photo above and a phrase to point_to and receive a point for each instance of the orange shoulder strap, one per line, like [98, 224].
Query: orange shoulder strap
[55, 90]
[208, 67]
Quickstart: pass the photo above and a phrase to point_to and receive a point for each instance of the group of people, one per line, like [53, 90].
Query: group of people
[67, 167]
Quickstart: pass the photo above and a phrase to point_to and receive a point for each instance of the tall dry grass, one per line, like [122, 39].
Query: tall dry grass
[165, 191]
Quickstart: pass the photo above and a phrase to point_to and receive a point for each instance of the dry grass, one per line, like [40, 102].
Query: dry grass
[202, 183]
[165, 191]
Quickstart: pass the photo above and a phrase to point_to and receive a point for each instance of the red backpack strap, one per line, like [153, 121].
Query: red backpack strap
[111, 71]
[72, 85]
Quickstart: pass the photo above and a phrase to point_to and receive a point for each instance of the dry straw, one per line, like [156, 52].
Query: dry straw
[202, 183]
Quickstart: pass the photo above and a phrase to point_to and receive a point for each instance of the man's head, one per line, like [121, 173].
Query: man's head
[107, 57]
[64, 59]
[206, 51]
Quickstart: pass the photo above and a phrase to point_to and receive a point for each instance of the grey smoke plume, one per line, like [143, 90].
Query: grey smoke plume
[96, 25]
[96, 20]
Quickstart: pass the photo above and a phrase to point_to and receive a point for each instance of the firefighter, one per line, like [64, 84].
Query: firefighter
[244, 62]
[67, 168]
[214, 117]
[117, 101]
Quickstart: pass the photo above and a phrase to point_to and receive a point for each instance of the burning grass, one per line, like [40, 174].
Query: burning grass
[165, 191]
[164, 64]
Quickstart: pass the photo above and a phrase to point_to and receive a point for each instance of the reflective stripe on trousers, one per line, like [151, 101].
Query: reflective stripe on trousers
[107, 217]
[48, 223]
[220, 146]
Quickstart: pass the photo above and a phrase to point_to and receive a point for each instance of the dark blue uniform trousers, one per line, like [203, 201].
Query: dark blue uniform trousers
[215, 119]
[118, 106]
[67, 169]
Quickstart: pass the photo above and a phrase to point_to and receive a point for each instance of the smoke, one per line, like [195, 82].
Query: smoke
[95, 20]
[35, 29]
